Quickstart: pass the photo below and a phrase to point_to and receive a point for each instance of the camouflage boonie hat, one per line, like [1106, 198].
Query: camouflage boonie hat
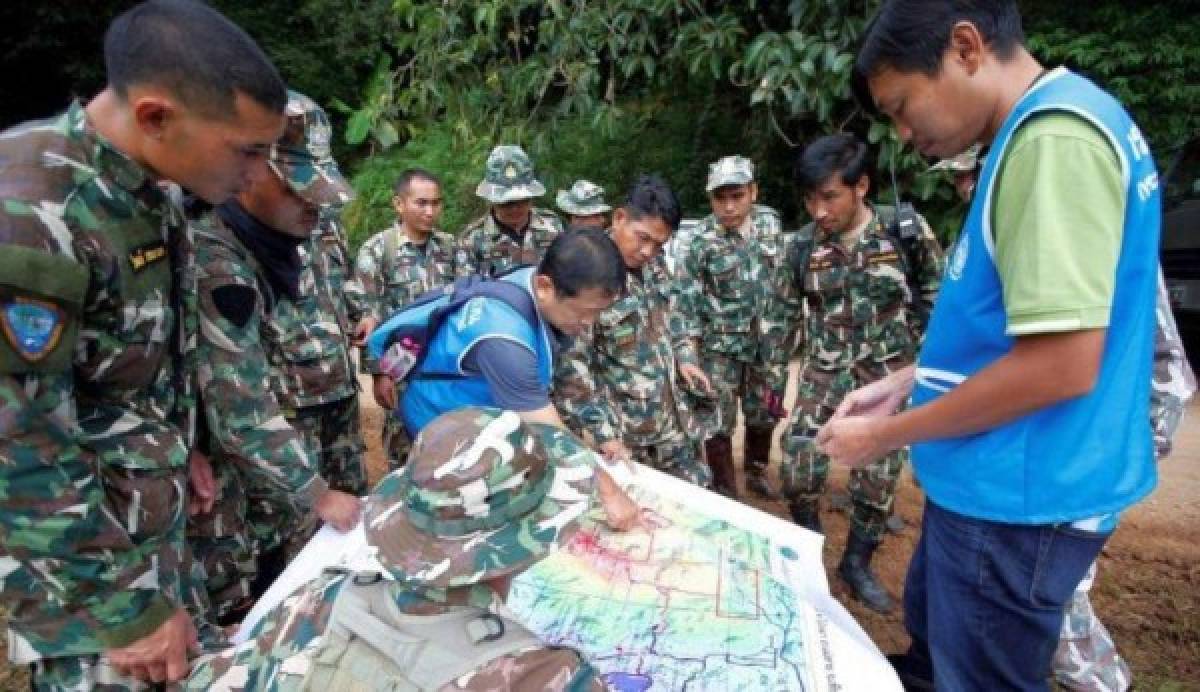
[729, 170]
[509, 177]
[963, 163]
[583, 199]
[302, 156]
[483, 495]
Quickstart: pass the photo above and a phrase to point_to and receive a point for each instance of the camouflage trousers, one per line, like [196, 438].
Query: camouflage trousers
[396, 442]
[221, 544]
[160, 497]
[738, 381]
[1086, 659]
[332, 434]
[804, 469]
[678, 456]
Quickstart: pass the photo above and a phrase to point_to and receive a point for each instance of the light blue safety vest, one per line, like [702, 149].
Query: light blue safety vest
[441, 385]
[1085, 457]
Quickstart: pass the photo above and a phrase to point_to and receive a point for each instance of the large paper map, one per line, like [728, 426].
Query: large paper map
[714, 595]
[689, 604]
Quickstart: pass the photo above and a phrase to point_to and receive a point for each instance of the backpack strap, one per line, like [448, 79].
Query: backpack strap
[391, 244]
[801, 253]
[903, 229]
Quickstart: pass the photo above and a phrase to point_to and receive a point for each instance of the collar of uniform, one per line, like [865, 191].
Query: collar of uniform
[110, 163]
[430, 242]
[501, 229]
[742, 231]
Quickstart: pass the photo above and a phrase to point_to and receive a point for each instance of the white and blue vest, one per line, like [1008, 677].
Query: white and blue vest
[440, 384]
[1085, 457]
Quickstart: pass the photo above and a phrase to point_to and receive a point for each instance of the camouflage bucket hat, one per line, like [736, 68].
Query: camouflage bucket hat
[302, 156]
[583, 199]
[963, 163]
[483, 495]
[729, 170]
[509, 177]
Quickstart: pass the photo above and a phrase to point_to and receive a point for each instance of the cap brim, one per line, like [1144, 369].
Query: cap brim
[564, 202]
[415, 557]
[319, 183]
[714, 184]
[501, 194]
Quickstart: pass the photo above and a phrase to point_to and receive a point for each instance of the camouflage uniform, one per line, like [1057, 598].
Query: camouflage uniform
[390, 272]
[93, 463]
[1086, 658]
[254, 450]
[316, 639]
[621, 380]
[858, 321]
[488, 248]
[723, 282]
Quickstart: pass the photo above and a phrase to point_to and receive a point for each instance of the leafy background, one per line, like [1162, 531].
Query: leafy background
[608, 90]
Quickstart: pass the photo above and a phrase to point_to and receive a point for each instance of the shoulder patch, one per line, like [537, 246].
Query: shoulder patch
[32, 327]
[235, 303]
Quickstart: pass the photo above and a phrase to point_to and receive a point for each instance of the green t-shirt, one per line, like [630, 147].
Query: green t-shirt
[1057, 219]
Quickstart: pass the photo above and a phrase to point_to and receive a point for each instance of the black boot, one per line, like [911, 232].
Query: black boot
[855, 570]
[718, 451]
[805, 514]
[758, 455]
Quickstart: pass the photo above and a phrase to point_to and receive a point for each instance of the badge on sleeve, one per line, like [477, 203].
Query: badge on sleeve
[32, 327]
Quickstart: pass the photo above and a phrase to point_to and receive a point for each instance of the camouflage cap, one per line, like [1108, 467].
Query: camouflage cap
[583, 199]
[483, 495]
[963, 163]
[509, 176]
[729, 170]
[302, 156]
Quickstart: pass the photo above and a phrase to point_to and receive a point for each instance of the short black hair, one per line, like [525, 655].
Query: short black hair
[408, 175]
[912, 36]
[841, 153]
[651, 196]
[584, 258]
[194, 52]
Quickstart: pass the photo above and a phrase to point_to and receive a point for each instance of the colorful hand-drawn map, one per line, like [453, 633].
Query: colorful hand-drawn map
[713, 595]
[687, 604]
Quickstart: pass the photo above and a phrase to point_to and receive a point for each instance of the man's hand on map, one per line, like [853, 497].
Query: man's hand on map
[614, 451]
[202, 486]
[339, 509]
[880, 398]
[162, 655]
[620, 511]
[853, 441]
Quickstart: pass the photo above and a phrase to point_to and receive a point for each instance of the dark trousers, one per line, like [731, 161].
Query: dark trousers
[984, 601]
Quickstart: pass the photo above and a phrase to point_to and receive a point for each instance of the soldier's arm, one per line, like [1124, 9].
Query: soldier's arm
[1173, 383]
[56, 528]
[351, 297]
[368, 275]
[466, 262]
[783, 312]
[244, 419]
[930, 263]
[578, 395]
[689, 290]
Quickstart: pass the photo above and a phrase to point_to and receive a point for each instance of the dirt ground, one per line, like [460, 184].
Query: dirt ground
[1147, 592]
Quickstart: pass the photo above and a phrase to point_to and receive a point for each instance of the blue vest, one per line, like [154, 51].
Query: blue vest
[441, 385]
[1088, 456]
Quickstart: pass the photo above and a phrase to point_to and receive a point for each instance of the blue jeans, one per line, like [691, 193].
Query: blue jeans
[984, 601]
